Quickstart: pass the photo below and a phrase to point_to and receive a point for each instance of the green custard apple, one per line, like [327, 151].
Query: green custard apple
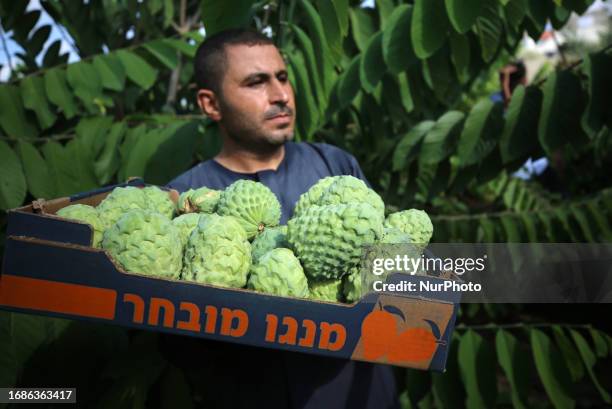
[145, 242]
[254, 205]
[279, 272]
[218, 253]
[328, 290]
[415, 223]
[86, 214]
[269, 239]
[328, 240]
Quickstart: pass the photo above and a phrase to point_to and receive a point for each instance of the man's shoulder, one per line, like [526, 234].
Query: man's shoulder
[329, 159]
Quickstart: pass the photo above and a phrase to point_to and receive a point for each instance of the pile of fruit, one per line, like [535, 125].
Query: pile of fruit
[232, 238]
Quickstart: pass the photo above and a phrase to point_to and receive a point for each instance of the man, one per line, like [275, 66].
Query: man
[244, 87]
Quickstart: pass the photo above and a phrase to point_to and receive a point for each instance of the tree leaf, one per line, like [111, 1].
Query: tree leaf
[514, 12]
[349, 82]
[561, 110]
[181, 45]
[36, 172]
[552, 370]
[598, 113]
[108, 162]
[307, 111]
[371, 69]
[429, 27]
[408, 147]
[52, 55]
[314, 27]
[589, 359]
[538, 12]
[110, 70]
[405, 92]
[477, 366]
[447, 387]
[462, 13]
[331, 26]
[489, 27]
[460, 54]
[12, 115]
[173, 153]
[441, 138]
[12, 180]
[35, 43]
[313, 69]
[601, 346]
[80, 168]
[362, 26]
[34, 98]
[87, 86]
[131, 138]
[578, 6]
[219, 15]
[520, 130]
[569, 352]
[510, 358]
[396, 35]
[342, 13]
[137, 69]
[163, 52]
[480, 132]
[58, 92]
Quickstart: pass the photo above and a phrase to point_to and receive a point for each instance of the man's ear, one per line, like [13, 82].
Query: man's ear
[209, 104]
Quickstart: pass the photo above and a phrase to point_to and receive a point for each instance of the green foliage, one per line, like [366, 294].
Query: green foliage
[404, 87]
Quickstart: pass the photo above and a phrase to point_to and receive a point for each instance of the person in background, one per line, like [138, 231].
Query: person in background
[243, 85]
[510, 77]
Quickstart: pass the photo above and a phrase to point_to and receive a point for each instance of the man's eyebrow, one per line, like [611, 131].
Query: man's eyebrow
[256, 76]
[262, 76]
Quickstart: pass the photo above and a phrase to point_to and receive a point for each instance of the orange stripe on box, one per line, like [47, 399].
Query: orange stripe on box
[52, 296]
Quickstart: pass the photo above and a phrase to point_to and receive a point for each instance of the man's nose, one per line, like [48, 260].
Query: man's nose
[279, 92]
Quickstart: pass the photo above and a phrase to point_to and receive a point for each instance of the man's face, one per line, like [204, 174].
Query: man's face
[257, 105]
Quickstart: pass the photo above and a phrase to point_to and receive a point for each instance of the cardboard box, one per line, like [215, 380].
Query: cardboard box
[50, 269]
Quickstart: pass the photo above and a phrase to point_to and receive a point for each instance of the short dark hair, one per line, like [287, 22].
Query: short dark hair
[210, 60]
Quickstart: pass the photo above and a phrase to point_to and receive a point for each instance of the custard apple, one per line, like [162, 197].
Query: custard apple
[217, 253]
[267, 240]
[159, 201]
[328, 290]
[392, 235]
[120, 201]
[413, 222]
[87, 214]
[145, 242]
[186, 223]
[349, 189]
[252, 203]
[279, 272]
[328, 239]
[202, 200]
[312, 195]
[351, 285]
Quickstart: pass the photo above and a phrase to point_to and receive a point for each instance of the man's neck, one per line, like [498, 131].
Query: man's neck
[238, 159]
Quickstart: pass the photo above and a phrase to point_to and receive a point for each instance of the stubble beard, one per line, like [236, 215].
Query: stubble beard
[250, 136]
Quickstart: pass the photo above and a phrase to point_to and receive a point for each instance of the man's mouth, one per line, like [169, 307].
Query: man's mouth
[280, 117]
